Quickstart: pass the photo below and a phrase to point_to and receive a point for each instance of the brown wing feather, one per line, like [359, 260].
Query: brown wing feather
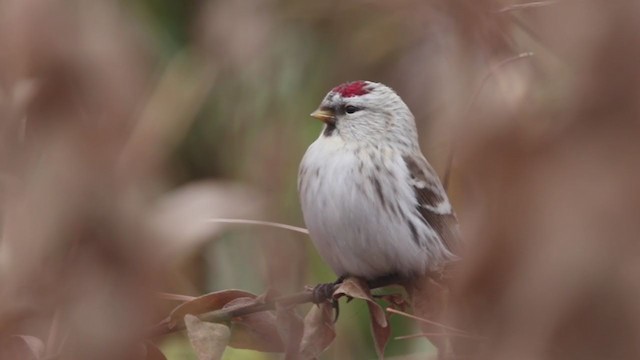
[430, 194]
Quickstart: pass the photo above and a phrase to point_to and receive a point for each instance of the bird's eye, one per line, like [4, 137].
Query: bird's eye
[350, 109]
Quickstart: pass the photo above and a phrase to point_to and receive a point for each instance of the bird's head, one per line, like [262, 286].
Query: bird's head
[366, 111]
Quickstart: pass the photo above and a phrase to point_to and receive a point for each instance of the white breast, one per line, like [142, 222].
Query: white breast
[354, 232]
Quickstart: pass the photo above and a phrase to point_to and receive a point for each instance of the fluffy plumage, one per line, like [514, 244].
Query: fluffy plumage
[371, 201]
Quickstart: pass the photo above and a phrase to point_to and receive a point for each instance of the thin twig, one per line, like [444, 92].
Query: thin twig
[258, 222]
[446, 327]
[176, 297]
[525, 6]
[474, 98]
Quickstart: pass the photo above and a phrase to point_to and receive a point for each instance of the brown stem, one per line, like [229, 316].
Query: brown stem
[304, 297]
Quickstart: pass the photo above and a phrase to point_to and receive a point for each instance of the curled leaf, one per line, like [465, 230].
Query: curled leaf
[257, 331]
[380, 329]
[430, 300]
[358, 289]
[381, 333]
[319, 331]
[208, 340]
[205, 303]
[290, 328]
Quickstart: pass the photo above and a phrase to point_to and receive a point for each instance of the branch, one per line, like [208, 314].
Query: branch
[258, 222]
[431, 322]
[304, 297]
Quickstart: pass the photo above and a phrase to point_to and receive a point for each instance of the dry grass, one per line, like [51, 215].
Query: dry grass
[98, 129]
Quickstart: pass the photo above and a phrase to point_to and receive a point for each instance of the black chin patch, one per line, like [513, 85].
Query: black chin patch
[329, 129]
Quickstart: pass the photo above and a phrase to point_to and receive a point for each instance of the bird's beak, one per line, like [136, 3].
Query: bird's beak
[324, 115]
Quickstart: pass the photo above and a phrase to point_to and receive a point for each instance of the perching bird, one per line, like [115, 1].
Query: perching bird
[373, 205]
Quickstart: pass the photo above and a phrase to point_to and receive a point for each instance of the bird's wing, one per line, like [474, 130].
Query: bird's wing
[432, 202]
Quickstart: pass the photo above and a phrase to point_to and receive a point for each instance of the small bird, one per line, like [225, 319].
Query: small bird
[373, 205]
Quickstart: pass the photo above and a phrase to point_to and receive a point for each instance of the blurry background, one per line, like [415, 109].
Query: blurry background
[125, 125]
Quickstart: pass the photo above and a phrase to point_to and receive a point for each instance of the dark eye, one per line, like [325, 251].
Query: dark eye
[350, 109]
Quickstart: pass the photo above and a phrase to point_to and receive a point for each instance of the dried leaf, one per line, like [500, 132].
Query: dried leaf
[22, 347]
[205, 303]
[319, 331]
[357, 288]
[257, 331]
[290, 327]
[430, 300]
[381, 333]
[209, 340]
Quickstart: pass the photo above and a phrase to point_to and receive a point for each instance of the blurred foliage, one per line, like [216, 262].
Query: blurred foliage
[127, 125]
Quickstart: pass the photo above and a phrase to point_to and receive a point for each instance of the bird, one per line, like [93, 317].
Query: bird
[373, 205]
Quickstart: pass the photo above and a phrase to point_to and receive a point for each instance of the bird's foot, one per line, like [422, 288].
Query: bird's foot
[324, 292]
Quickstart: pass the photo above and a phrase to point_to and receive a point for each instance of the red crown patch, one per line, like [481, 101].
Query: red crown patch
[351, 89]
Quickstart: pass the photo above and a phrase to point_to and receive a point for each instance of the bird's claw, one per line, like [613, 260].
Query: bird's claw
[324, 292]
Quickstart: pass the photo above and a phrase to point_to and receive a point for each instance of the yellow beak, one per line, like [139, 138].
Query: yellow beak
[326, 116]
